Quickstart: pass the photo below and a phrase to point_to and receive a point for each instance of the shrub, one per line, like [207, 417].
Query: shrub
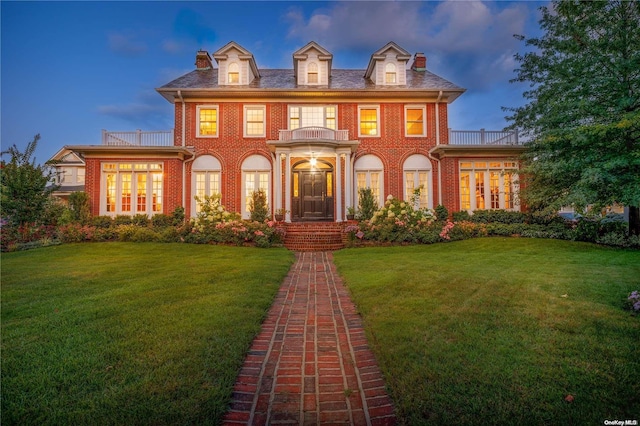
[258, 208]
[397, 221]
[80, 207]
[178, 216]
[586, 230]
[161, 220]
[140, 220]
[145, 235]
[102, 221]
[122, 219]
[368, 204]
[442, 213]
[461, 216]
[125, 232]
[75, 233]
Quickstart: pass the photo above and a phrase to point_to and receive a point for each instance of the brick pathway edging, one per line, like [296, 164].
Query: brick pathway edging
[311, 364]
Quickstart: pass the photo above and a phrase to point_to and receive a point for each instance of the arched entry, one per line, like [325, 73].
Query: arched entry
[312, 191]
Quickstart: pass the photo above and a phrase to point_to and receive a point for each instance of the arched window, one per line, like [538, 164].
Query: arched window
[256, 174]
[234, 73]
[312, 73]
[390, 73]
[369, 174]
[417, 180]
[205, 179]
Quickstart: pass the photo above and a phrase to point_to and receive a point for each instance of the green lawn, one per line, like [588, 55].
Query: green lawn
[121, 333]
[500, 331]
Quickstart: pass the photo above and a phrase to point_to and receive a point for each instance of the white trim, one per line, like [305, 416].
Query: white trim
[368, 164]
[264, 120]
[256, 165]
[118, 172]
[424, 120]
[324, 114]
[418, 163]
[485, 169]
[218, 121]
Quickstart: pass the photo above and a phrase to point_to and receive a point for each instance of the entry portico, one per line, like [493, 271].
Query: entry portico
[314, 173]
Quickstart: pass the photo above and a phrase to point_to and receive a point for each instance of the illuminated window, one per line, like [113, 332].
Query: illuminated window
[256, 174]
[414, 121]
[254, 121]
[488, 185]
[368, 121]
[312, 73]
[126, 188]
[417, 176]
[390, 73]
[206, 171]
[207, 121]
[368, 172]
[312, 116]
[234, 73]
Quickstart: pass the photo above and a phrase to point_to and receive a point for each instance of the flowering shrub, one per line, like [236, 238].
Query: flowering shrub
[397, 221]
[75, 233]
[633, 302]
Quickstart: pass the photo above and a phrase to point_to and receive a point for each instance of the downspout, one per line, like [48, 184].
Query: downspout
[184, 163]
[438, 143]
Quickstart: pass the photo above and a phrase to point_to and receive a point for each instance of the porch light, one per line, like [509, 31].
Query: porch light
[313, 160]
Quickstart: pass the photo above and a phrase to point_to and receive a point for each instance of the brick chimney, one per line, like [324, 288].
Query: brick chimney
[203, 60]
[419, 62]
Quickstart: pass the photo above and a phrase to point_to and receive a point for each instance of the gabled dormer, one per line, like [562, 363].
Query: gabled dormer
[236, 65]
[312, 65]
[387, 66]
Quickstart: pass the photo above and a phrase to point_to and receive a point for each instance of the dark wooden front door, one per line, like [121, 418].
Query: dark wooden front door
[315, 198]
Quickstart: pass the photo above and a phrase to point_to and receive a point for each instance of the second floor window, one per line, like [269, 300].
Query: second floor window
[368, 121]
[312, 116]
[390, 74]
[254, 121]
[414, 121]
[207, 121]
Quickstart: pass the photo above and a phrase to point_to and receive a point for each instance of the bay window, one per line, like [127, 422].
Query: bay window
[488, 185]
[132, 188]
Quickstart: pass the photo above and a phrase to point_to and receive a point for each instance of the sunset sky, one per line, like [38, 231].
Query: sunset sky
[70, 69]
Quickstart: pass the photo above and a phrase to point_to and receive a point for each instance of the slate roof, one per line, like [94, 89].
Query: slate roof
[283, 79]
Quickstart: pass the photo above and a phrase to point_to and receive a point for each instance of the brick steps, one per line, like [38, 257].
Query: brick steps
[313, 236]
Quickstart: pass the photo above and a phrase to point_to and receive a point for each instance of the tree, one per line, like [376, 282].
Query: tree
[583, 112]
[25, 187]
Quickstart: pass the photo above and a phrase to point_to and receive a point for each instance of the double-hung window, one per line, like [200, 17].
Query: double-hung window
[415, 124]
[208, 120]
[254, 121]
[369, 117]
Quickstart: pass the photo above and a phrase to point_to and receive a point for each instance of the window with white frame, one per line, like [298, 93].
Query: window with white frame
[368, 171]
[256, 175]
[205, 180]
[417, 177]
[254, 120]
[369, 118]
[131, 188]
[488, 185]
[308, 116]
[233, 73]
[415, 124]
[390, 73]
[207, 125]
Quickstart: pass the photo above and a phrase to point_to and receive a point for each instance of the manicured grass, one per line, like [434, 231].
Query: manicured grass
[500, 331]
[121, 333]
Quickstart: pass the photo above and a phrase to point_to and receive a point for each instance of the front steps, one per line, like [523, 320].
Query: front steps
[314, 236]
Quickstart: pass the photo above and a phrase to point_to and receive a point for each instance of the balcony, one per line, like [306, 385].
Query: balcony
[138, 138]
[483, 137]
[314, 133]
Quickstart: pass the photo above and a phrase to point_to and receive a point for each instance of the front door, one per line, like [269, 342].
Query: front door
[313, 194]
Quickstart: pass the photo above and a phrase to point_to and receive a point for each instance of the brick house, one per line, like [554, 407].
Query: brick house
[311, 136]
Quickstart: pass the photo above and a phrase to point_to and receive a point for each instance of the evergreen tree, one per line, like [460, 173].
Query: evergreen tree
[583, 110]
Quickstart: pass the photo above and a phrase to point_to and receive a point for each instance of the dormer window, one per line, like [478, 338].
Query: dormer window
[234, 73]
[312, 73]
[390, 74]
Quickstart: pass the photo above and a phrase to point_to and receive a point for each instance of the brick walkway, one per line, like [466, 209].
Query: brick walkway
[311, 364]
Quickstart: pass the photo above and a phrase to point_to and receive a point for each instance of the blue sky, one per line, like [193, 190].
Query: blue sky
[70, 69]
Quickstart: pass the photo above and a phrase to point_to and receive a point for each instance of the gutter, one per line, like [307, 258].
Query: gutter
[438, 143]
[184, 163]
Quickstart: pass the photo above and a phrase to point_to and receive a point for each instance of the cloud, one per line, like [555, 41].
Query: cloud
[469, 43]
[126, 44]
[148, 110]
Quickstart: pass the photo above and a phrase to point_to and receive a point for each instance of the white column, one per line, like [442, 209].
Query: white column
[277, 181]
[348, 175]
[340, 215]
[287, 187]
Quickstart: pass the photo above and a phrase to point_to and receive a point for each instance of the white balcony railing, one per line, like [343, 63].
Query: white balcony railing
[483, 137]
[314, 133]
[138, 138]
